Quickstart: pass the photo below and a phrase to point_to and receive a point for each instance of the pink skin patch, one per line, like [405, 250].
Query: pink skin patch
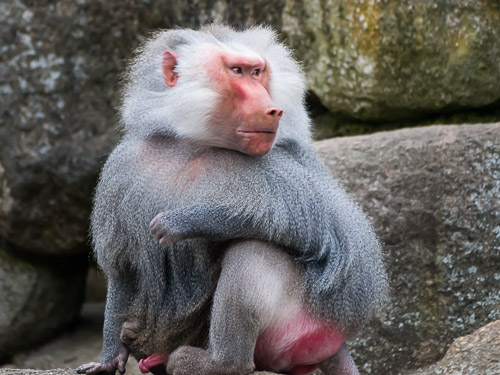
[152, 361]
[297, 346]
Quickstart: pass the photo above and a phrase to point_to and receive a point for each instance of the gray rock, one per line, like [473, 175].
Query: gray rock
[58, 73]
[433, 194]
[474, 354]
[39, 298]
[389, 60]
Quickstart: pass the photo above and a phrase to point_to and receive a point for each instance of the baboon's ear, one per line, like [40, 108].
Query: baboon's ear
[168, 63]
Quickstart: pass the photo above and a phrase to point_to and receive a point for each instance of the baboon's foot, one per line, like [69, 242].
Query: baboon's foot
[108, 367]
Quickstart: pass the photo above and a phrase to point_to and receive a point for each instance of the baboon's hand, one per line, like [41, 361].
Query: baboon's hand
[162, 229]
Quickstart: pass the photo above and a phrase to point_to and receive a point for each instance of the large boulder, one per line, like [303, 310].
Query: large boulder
[434, 196]
[38, 299]
[59, 70]
[477, 353]
[397, 59]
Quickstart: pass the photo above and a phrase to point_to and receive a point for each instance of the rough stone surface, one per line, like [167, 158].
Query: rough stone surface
[478, 353]
[38, 299]
[433, 194]
[397, 59]
[57, 74]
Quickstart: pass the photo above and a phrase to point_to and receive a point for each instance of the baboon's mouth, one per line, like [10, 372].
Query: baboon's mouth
[257, 131]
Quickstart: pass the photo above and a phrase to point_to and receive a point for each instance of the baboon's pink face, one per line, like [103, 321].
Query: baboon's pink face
[245, 119]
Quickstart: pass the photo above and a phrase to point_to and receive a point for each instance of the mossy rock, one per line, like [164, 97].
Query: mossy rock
[397, 59]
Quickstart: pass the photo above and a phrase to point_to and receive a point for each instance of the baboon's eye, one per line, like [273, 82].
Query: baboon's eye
[237, 69]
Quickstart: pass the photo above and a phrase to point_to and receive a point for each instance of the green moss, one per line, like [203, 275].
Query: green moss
[397, 60]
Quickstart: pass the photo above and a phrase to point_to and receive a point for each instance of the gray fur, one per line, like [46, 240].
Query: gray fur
[208, 197]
